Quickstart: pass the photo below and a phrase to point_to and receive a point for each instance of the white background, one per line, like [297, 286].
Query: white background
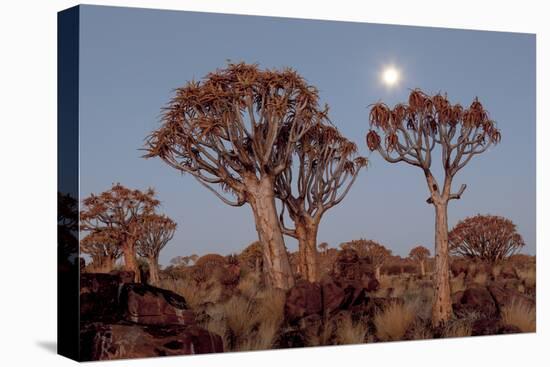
[28, 182]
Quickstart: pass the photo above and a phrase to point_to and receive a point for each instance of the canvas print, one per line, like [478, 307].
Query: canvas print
[236, 183]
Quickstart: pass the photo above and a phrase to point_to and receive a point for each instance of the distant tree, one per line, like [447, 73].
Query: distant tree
[235, 131]
[158, 230]
[103, 248]
[323, 246]
[180, 260]
[485, 237]
[211, 260]
[120, 212]
[420, 254]
[324, 171]
[373, 251]
[193, 258]
[410, 134]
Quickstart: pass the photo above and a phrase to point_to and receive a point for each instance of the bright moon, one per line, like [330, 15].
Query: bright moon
[390, 76]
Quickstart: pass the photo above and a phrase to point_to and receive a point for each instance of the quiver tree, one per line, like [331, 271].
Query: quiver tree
[485, 237]
[235, 131]
[158, 230]
[324, 171]
[409, 133]
[103, 247]
[420, 254]
[119, 212]
[375, 253]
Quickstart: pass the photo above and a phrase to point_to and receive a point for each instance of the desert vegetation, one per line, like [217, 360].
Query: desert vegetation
[261, 138]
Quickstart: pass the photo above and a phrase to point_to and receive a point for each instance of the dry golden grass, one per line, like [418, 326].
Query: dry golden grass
[480, 279]
[457, 330]
[194, 294]
[421, 331]
[528, 276]
[248, 323]
[457, 284]
[521, 315]
[249, 284]
[350, 332]
[393, 322]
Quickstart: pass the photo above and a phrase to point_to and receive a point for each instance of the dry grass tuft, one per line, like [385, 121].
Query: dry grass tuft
[457, 329]
[457, 284]
[528, 276]
[393, 322]
[480, 279]
[349, 332]
[520, 314]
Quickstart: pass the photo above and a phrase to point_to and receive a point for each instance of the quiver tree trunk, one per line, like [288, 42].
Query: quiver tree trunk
[422, 268]
[277, 268]
[442, 307]
[130, 260]
[377, 272]
[306, 233]
[154, 277]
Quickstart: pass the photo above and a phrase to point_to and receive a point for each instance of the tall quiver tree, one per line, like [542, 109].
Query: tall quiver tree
[325, 170]
[409, 133]
[420, 254]
[120, 211]
[158, 230]
[235, 131]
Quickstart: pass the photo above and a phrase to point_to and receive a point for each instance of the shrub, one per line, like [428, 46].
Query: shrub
[350, 332]
[521, 315]
[392, 323]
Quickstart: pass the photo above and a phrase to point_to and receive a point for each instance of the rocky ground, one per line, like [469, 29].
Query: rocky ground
[224, 306]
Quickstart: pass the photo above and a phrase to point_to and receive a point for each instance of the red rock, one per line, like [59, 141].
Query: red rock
[145, 304]
[121, 341]
[302, 300]
[505, 297]
[477, 299]
[99, 297]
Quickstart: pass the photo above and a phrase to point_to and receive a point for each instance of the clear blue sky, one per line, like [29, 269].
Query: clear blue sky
[132, 59]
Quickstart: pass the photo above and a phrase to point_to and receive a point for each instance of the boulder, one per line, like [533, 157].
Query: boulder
[101, 341]
[476, 299]
[332, 296]
[505, 297]
[349, 267]
[99, 297]
[302, 300]
[145, 304]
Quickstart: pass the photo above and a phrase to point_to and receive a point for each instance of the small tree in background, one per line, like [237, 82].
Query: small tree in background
[420, 254]
[373, 251]
[235, 131]
[410, 133]
[323, 247]
[324, 172]
[485, 237]
[180, 260]
[120, 212]
[158, 230]
[104, 249]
